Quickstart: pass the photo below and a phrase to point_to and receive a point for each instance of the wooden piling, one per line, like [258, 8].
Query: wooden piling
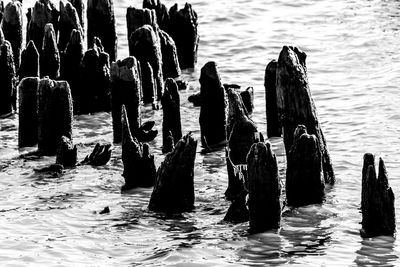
[7, 77]
[248, 99]
[173, 191]
[237, 211]
[161, 12]
[139, 167]
[101, 24]
[377, 200]
[27, 111]
[80, 10]
[183, 29]
[170, 102]
[304, 181]
[149, 87]
[55, 115]
[145, 46]
[213, 103]
[296, 106]
[50, 56]
[69, 21]
[12, 29]
[274, 127]
[66, 153]
[136, 18]
[30, 61]
[170, 62]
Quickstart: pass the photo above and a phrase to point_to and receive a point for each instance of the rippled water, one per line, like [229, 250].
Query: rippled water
[354, 74]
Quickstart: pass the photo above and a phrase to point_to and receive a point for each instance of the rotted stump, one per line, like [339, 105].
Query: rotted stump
[296, 106]
[145, 47]
[50, 56]
[55, 115]
[264, 188]
[139, 167]
[28, 115]
[161, 12]
[70, 68]
[12, 28]
[377, 200]
[95, 81]
[274, 127]
[101, 24]
[42, 13]
[212, 112]
[170, 102]
[242, 134]
[69, 21]
[170, 62]
[80, 10]
[66, 153]
[136, 18]
[174, 188]
[7, 76]
[29, 62]
[149, 87]
[183, 29]
[304, 182]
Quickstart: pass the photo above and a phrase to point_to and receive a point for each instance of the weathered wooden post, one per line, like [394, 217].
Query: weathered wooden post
[12, 28]
[377, 200]
[296, 106]
[7, 77]
[170, 60]
[29, 62]
[43, 12]
[139, 167]
[149, 87]
[242, 134]
[213, 104]
[274, 127]
[145, 47]
[304, 181]
[50, 56]
[66, 153]
[248, 99]
[170, 102]
[69, 21]
[55, 115]
[136, 18]
[28, 115]
[101, 24]
[174, 188]
[71, 60]
[161, 12]
[95, 83]
[183, 29]
[80, 10]
[264, 188]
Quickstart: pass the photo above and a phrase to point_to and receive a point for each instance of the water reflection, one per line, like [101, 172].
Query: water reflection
[377, 251]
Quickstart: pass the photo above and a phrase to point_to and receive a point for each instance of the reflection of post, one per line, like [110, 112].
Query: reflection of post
[379, 249]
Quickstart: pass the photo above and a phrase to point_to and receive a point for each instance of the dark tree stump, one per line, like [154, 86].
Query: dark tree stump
[248, 99]
[55, 115]
[12, 29]
[125, 90]
[136, 18]
[95, 81]
[50, 57]
[80, 10]
[296, 106]
[212, 111]
[100, 155]
[304, 182]
[28, 115]
[170, 102]
[274, 128]
[145, 46]
[71, 66]
[237, 212]
[170, 62]
[264, 188]
[174, 188]
[139, 167]
[66, 153]
[377, 200]
[29, 62]
[7, 77]
[149, 87]
[101, 24]
[42, 13]
[69, 21]
[183, 29]
[242, 134]
[161, 12]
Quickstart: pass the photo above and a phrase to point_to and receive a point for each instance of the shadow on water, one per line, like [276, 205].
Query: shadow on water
[377, 251]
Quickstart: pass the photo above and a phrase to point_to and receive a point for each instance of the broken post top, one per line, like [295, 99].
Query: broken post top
[68, 14]
[125, 70]
[75, 42]
[13, 13]
[44, 12]
[209, 75]
[137, 17]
